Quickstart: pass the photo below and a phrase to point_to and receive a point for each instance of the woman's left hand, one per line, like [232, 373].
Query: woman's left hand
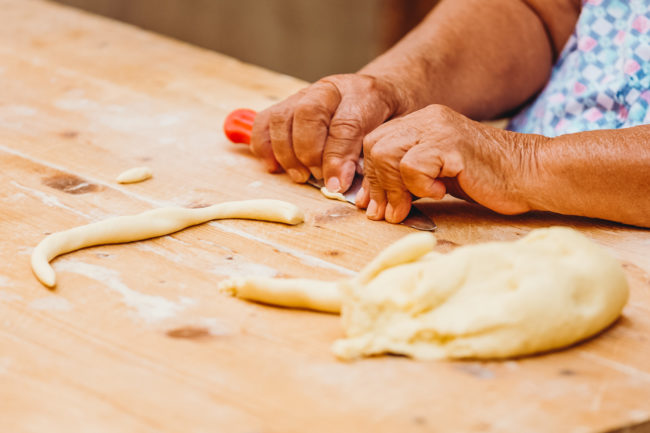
[435, 151]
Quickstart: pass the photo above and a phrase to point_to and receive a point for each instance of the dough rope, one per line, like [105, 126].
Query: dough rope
[288, 292]
[133, 175]
[324, 296]
[150, 224]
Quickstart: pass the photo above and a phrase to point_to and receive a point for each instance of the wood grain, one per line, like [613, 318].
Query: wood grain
[136, 338]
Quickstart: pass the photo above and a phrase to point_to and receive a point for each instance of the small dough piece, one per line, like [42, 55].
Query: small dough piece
[545, 291]
[133, 175]
[150, 224]
[288, 292]
[332, 195]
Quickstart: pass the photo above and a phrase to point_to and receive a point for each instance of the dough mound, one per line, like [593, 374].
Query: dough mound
[545, 291]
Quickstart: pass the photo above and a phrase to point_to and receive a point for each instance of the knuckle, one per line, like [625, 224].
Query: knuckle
[308, 157]
[346, 128]
[439, 111]
[279, 115]
[369, 142]
[407, 165]
[380, 152]
[310, 112]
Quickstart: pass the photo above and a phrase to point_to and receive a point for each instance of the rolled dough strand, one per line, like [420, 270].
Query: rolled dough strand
[133, 175]
[332, 195]
[151, 224]
[286, 292]
[408, 249]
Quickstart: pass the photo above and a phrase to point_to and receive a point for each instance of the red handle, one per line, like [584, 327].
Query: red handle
[239, 124]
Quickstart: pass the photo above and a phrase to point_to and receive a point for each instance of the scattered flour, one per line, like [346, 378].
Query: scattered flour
[149, 307]
[51, 303]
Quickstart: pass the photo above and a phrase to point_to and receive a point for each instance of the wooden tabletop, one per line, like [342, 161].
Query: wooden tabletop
[137, 339]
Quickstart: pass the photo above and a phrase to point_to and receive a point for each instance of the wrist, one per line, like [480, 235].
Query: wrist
[401, 85]
[530, 181]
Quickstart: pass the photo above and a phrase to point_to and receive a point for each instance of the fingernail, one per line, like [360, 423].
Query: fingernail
[317, 172]
[295, 175]
[333, 184]
[372, 209]
[390, 213]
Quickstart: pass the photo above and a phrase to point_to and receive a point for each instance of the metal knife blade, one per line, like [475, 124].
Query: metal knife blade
[416, 218]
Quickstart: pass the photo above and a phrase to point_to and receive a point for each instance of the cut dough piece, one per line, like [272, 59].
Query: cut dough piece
[288, 292]
[548, 290]
[332, 195]
[133, 175]
[150, 224]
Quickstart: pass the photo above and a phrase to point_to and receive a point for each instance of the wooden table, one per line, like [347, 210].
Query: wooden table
[137, 339]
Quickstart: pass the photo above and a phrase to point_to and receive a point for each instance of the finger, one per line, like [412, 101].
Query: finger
[362, 198]
[376, 207]
[311, 121]
[347, 128]
[342, 148]
[280, 126]
[386, 157]
[261, 142]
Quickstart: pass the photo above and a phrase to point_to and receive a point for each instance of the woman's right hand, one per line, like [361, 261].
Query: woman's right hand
[320, 129]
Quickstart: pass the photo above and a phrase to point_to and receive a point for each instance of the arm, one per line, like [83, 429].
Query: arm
[479, 57]
[601, 174]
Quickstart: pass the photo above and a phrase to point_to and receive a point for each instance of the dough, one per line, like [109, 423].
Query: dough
[133, 175]
[152, 223]
[332, 195]
[318, 295]
[288, 292]
[548, 290]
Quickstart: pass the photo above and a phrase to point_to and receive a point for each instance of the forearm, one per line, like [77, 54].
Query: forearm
[600, 174]
[480, 58]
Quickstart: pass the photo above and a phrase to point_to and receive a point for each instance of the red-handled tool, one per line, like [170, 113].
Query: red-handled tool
[238, 127]
[239, 124]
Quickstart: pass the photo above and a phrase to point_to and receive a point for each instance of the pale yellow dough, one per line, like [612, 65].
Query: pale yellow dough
[548, 290]
[153, 223]
[133, 175]
[332, 195]
[288, 292]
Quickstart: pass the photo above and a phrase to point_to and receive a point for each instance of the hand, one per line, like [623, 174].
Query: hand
[320, 129]
[435, 151]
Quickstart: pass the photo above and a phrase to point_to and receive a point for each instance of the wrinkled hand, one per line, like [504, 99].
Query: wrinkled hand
[435, 151]
[320, 129]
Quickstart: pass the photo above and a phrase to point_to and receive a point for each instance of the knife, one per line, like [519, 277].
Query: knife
[238, 126]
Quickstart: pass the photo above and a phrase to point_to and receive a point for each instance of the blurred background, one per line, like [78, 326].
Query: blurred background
[307, 39]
